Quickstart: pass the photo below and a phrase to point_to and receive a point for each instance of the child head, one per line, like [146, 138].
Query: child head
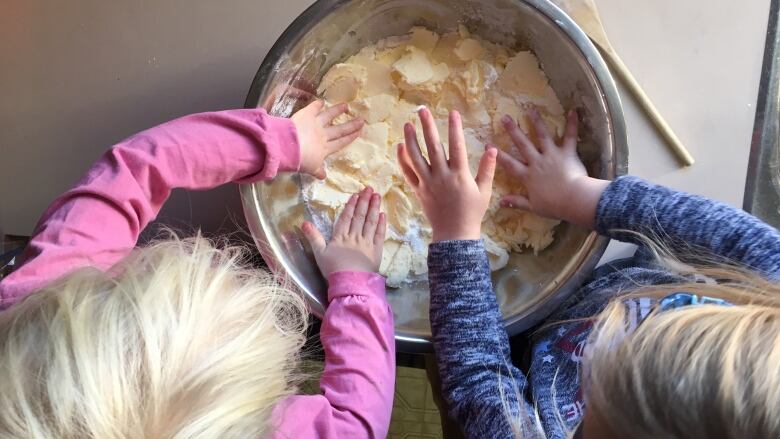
[704, 371]
[183, 340]
[693, 372]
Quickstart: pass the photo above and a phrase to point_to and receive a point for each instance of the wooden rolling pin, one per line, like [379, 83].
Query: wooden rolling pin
[585, 14]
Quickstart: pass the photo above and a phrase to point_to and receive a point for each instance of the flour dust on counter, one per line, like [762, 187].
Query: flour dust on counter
[385, 84]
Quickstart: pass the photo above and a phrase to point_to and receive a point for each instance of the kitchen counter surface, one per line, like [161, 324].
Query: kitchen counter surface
[76, 80]
[701, 63]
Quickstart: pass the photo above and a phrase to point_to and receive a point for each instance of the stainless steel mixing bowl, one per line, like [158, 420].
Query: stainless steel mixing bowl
[330, 31]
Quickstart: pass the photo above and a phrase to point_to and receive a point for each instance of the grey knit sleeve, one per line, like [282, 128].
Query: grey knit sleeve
[683, 220]
[479, 382]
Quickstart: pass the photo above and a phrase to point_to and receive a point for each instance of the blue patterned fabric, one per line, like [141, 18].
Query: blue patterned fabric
[479, 381]
[681, 299]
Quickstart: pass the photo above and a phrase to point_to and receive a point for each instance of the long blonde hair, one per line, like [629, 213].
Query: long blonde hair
[182, 340]
[694, 372]
[704, 371]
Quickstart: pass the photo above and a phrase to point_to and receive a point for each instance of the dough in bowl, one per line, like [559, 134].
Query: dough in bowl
[386, 83]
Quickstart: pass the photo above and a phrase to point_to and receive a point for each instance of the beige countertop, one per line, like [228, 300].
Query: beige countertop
[78, 79]
[700, 62]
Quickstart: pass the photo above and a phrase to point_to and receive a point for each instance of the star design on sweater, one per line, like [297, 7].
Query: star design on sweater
[547, 359]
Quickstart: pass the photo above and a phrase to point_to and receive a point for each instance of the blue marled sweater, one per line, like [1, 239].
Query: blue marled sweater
[471, 344]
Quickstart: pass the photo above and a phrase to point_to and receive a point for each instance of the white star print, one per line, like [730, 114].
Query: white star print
[547, 359]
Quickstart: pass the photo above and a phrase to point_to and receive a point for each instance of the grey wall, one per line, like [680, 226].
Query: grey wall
[78, 76]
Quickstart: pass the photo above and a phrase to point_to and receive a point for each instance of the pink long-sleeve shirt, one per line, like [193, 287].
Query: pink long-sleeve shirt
[97, 223]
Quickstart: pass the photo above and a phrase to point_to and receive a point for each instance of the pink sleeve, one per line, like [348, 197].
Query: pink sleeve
[359, 378]
[98, 221]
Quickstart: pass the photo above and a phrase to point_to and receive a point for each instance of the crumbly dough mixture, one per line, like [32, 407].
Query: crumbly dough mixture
[385, 84]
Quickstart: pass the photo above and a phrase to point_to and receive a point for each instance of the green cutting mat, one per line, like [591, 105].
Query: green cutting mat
[415, 415]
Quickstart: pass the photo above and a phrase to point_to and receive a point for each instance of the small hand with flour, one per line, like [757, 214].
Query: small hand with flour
[557, 182]
[358, 237]
[452, 199]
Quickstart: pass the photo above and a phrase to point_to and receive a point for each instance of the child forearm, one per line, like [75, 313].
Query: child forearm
[359, 377]
[98, 221]
[677, 218]
[357, 334]
[472, 349]
[478, 381]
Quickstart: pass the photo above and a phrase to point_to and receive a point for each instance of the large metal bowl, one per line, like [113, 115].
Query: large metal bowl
[329, 31]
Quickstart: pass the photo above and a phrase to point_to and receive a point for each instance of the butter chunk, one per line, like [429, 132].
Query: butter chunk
[368, 164]
[414, 67]
[551, 104]
[388, 253]
[378, 79]
[468, 49]
[523, 75]
[376, 133]
[423, 39]
[377, 173]
[420, 262]
[428, 91]
[538, 224]
[398, 269]
[475, 149]
[450, 98]
[344, 182]
[498, 257]
[508, 106]
[399, 210]
[445, 47]
[472, 82]
[391, 55]
[555, 125]
[360, 153]
[440, 73]
[376, 108]
[405, 111]
[476, 115]
[342, 82]
[363, 56]
[326, 195]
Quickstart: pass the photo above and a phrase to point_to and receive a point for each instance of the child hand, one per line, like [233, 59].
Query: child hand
[557, 181]
[452, 199]
[358, 237]
[318, 138]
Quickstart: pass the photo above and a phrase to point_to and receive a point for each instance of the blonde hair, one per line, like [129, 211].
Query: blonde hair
[184, 340]
[705, 371]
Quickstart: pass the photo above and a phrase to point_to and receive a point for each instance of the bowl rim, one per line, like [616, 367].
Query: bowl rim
[583, 265]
